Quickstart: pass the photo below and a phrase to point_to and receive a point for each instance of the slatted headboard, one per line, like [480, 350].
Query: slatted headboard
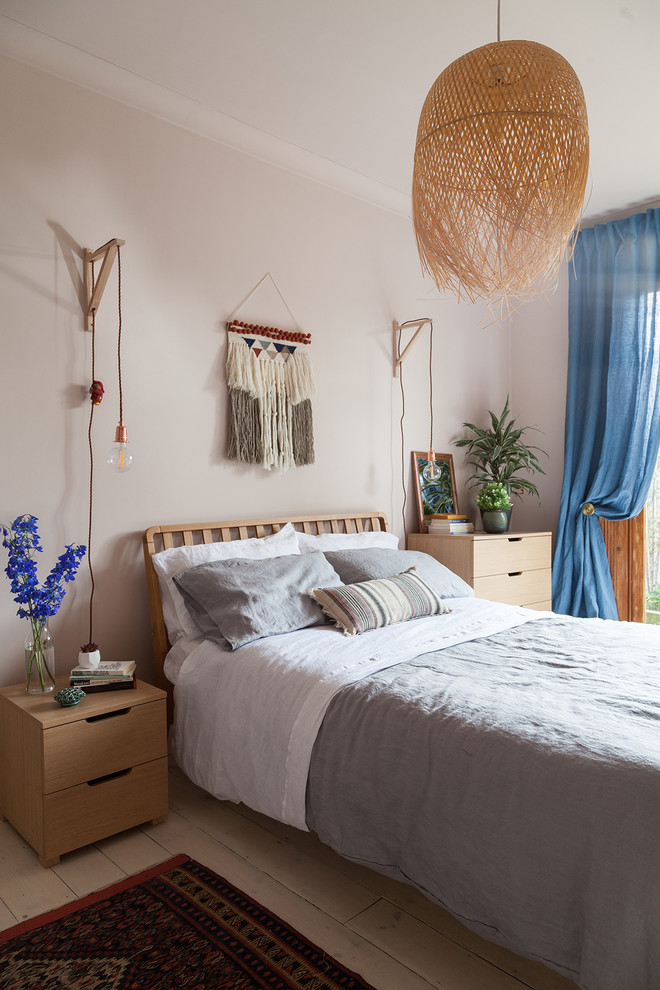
[158, 538]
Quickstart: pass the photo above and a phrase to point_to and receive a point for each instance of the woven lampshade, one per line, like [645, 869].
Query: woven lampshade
[500, 172]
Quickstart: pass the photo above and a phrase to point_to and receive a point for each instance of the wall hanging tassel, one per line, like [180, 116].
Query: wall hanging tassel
[270, 382]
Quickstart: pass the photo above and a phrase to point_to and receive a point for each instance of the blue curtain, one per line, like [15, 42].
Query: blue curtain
[612, 404]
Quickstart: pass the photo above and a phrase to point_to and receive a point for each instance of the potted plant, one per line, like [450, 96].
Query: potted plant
[500, 454]
[89, 656]
[495, 507]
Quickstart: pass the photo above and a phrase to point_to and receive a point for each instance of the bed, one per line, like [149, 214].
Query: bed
[503, 761]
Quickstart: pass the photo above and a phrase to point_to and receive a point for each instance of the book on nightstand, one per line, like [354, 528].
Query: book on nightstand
[113, 676]
[104, 671]
[459, 516]
[455, 524]
[94, 686]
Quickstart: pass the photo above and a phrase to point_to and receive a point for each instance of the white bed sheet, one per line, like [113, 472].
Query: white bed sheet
[245, 721]
[177, 655]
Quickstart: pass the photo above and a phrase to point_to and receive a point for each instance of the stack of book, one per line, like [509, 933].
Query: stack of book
[450, 522]
[112, 676]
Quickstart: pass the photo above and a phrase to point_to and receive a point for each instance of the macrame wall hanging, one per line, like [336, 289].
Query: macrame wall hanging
[270, 385]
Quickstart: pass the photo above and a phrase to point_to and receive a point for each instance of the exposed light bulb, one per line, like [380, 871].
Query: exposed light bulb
[120, 458]
[430, 471]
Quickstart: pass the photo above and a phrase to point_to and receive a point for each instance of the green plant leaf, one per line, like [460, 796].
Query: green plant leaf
[500, 453]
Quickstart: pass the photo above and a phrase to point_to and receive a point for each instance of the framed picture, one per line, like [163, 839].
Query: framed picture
[435, 485]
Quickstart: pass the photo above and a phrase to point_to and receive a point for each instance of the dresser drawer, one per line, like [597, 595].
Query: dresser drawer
[516, 587]
[88, 812]
[102, 744]
[506, 554]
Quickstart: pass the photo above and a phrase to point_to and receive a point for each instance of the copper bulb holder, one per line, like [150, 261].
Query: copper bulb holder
[121, 434]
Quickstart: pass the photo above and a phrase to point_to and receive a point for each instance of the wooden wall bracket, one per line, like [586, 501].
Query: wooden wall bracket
[397, 354]
[108, 252]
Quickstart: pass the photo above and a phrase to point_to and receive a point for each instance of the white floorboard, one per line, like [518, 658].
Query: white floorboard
[384, 930]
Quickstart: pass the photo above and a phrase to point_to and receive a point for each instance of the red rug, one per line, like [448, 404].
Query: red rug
[177, 926]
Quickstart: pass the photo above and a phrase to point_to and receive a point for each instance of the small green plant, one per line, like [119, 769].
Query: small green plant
[653, 599]
[493, 496]
[500, 454]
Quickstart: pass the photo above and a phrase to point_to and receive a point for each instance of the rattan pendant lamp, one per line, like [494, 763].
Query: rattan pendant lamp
[500, 171]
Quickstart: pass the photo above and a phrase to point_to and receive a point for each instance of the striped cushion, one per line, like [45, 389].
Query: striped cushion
[357, 608]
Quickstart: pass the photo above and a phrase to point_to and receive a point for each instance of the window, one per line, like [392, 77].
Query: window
[633, 545]
[652, 584]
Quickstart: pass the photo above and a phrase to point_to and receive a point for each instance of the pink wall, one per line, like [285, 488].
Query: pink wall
[202, 224]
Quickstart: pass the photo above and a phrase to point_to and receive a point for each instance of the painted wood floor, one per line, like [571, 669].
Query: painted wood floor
[382, 929]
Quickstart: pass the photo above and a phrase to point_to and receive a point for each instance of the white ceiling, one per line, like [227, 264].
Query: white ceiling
[333, 90]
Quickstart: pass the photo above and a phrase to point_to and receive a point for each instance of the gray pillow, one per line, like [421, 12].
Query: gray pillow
[373, 563]
[240, 600]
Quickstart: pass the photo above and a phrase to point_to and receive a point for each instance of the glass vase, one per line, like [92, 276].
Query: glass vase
[39, 659]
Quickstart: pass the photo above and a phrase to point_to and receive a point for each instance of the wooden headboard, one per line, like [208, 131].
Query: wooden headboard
[158, 538]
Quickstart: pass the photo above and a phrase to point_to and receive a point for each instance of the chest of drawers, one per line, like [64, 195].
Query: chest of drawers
[515, 568]
[71, 776]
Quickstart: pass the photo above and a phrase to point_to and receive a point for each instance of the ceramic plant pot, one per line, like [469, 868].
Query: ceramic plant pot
[89, 659]
[496, 520]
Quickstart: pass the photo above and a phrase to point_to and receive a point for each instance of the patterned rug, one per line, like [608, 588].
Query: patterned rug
[177, 926]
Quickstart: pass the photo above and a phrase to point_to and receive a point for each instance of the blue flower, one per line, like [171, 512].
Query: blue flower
[22, 540]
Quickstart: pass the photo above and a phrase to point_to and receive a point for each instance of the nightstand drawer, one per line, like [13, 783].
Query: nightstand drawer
[502, 555]
[88, 812]
[102, 744]
[514, 568]
[516, 587]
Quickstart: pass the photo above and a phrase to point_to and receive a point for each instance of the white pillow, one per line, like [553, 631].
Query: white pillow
[346, 541]
[167, 563]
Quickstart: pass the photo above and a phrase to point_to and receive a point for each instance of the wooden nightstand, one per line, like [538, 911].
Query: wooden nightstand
[71, 776]
[515, 568]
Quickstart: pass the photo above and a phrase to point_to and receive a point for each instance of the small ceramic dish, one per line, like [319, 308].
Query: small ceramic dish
[69, 696]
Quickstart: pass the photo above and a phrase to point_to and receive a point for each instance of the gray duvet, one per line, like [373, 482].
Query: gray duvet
[516, 781]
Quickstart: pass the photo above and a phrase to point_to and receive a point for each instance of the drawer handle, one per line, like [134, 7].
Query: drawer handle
[515, 573]
[514, 539]
[108, 776]
[97, 718]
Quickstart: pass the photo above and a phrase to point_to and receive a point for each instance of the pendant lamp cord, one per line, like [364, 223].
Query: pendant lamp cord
[431, 447]
[91, 479]
[91, 643]
[403, 445]
[121, 397]
[403, 416]
[498, 19]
